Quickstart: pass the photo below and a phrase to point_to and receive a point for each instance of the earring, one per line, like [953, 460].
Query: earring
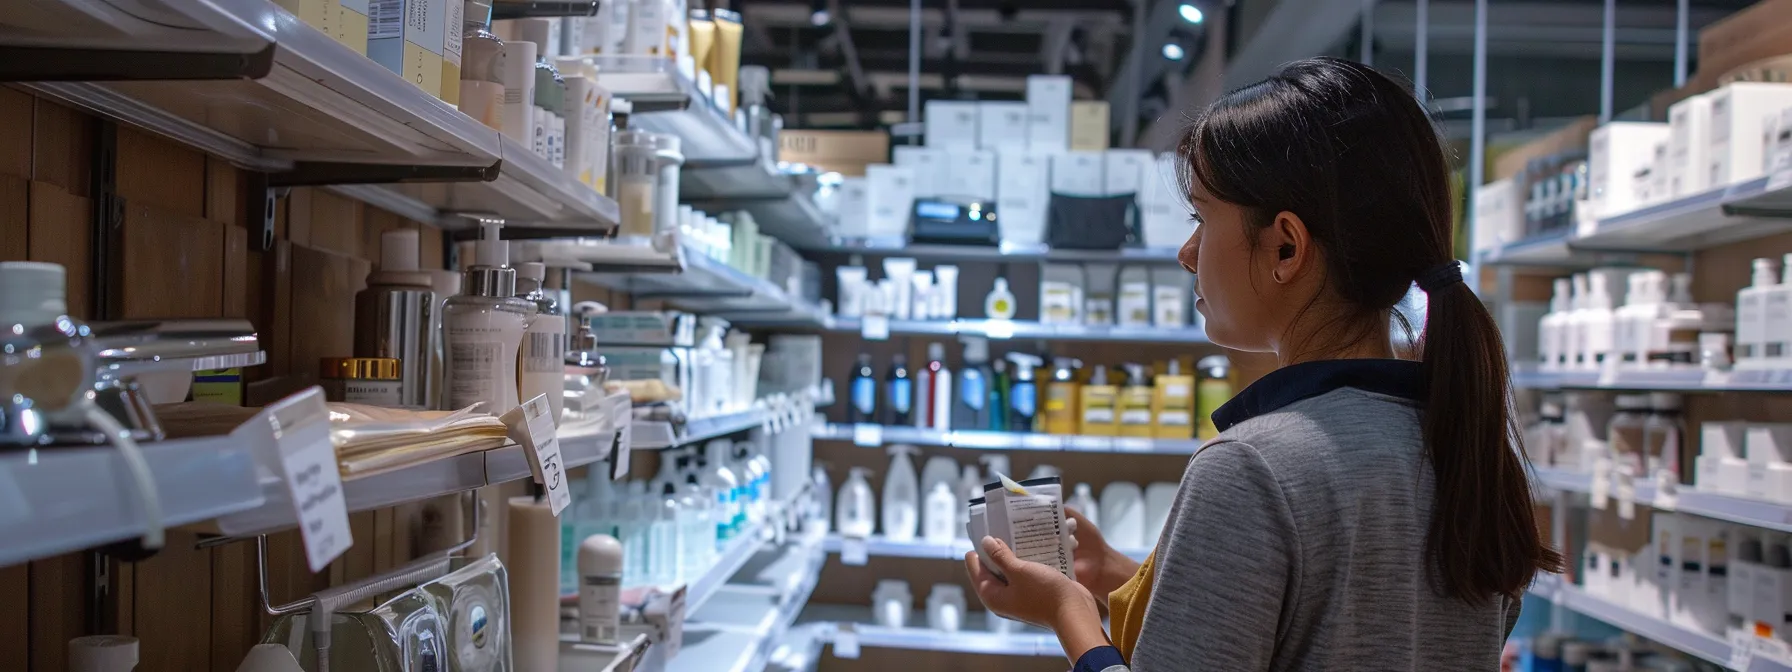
[1276, 276]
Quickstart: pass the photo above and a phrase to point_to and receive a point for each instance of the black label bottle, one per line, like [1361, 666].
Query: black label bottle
[863, 406]
[901, 390]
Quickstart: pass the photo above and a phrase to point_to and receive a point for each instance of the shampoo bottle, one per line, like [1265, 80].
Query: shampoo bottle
[1135, 404]
[863, 395]
[483, 329]
[970, 407]
[901, 392]
[543, 353]
[999, 305]
[939, 520]
[1083, 500]
[902, 495]
[855, 510]
[970, 486]
[1061, 397]
[935, 389]
[945, 607]
[1023, 393]
[1123, 515]
[999, 385]
[395, 317]
[1751, 317]
[1100, 416]
[1173, 404]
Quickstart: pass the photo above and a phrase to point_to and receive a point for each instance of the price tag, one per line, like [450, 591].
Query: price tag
[665, 611]
[875, 327]
[1601, 485]
[531, 425]
[301, 427]
[999, 330]
[867, 435]
[1742, 650]
[846, 641]
[1779, 180]
[853, 552]
[622, 417]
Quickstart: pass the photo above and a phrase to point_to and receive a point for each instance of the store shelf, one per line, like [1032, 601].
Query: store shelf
[667, 101]
[793, 218]
[606, 257]
[985, 440]
[60, 499]
[579, 446]
[528, 193]
[1709, 647]
[319, 103]
[1004, 253]
[717, 189]
[1741, 510]
[1685, 381]
[738, 551]
[709, 286]
[1720, 216]
[1021, 329]
[747, 620]
[882, 547]
[832, 623]
[1550, 251]
[578, 656]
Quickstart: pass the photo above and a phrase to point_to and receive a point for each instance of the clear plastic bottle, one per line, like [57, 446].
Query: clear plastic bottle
[699, 527]
[482, 58]
[635, 538]
[482, 329]
[718, 476]
[668, 557]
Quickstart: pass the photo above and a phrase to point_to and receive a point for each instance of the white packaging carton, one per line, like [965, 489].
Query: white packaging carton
[1615, 153]
[1078, 174]
[1720, 466]
[406, 36]
[950, 125]
[853, 212]
[1124, 171]
[1499, 214]
[1163, 210]
[1689, 123]
[1022, 195]
[970, 176]
[1769, 447]
[1048, 113]
[929, 167]
[891, 192]
[1737, 113]
[1002, 126]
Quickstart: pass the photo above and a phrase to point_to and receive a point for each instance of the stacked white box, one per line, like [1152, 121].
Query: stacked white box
[1615, 152]
[970, 176]
[1022, 195]
[1499, 214]
[1048, 113]
[950, 124]
[1689, 124]
[1737, 114]
[1124, 170]
[1078, 174]
[1002, 126]
[1163, 210]
[853, 214]
[929, 167]
[892, 197]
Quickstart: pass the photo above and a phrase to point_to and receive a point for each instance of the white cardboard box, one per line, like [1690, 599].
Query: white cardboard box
[854, 210]
[970, 175]
[929, 166]
[1689, 122]
[1002, 126]
[1022, 195]
[891, 192]
[1078, 174]
[1737, 115]
[1048, 113]
[950, 125]
[1124, 171]
[406, 37]
[1615, 152]
[1499, 216]
[1163, 210]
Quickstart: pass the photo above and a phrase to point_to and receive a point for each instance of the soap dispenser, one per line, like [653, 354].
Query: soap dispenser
[543, 351]
[855, 509]
[1751, 317]
[483, 329]
[901, 496]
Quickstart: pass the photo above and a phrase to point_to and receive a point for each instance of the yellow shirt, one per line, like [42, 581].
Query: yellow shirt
[1126, 607]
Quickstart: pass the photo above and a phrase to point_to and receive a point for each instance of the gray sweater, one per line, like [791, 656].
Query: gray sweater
[1297, 542]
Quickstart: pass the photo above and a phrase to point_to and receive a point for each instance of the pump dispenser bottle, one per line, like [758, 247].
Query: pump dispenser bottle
[1061, 402]
[543, 354]
[395, 317]
[855, 509]
[902, 494]
[970, 407]
[483, 329]
[1751, 317]
[1023, 394]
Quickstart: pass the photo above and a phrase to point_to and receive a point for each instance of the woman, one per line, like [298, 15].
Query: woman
[1357, 511]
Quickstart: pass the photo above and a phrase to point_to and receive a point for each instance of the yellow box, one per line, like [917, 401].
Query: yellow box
[319, 14]
[1089, 126]
[351, 25]
[406, 36]
[451, 50]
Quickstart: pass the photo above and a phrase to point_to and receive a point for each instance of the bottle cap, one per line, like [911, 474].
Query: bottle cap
[490, 275]
[399, 249]
[600, 555]
[936, 351]
[102, 653]
[34, 292]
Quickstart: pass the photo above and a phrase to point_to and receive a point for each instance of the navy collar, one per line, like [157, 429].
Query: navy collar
[1289, 384]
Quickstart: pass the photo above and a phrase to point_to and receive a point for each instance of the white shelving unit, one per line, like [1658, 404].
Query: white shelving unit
[882, 547]
[1687, 381]
[1706, 646]
[848, 628]
[987, 440]
[750, 616]
[1741, 510]
[1006, 252]
[1022, 329]
[1739, 212]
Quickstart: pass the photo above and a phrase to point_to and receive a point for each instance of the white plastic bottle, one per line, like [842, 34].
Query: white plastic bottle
[970, 486]
[939, 519]
[1776, 317]
[668, 538]
[1549, 329]
[901, 496]
[600, 589]
[1083, 500]
[482, 330]
[945, 607]
[1123, 515]
[1573, 327]
[1598, 323]
[636, 540]
[855, 509]
[542, 355]
[1751, 317]
[720, 479]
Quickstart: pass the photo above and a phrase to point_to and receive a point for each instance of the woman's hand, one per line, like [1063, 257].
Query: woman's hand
[1037, 594]
[1099, 567]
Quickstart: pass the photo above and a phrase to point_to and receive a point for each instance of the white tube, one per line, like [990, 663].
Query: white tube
[897, 271]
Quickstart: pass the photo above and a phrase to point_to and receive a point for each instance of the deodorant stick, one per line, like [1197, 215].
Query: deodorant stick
[600, 589]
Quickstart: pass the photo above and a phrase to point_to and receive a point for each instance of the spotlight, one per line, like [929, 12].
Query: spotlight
[1174, 51]
[818, 13]
[1191, 13]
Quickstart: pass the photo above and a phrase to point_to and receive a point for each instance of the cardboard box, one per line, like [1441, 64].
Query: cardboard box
[891, 194]
[853, 211]
[1499, 214]
[1078, 174]
[319, 14]
[1615, 153]
[949, 125]
[1022, 196]
[929, 166]
[406, 37]
[1738, 112]
[351, 27]
[1048, 113]
[970, 175]
[1163, 209]
[1124, 171]
[1089, 126]
[451, 49]
[1689, 121]
[1002, 126]
[845, 152]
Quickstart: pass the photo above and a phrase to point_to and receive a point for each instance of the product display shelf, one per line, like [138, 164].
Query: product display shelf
[1739, 212]
[879, 435]
[706, 285]
[580, 444]
[668, 101]
[882, 547]
[1013, 329]
[717, 189]
[1687, 381]
[576, 656]
[59, 499]
[794, 218]
[1706, 646]
[660, 435]
[741, 626]
[1741, 510]
[607, 258]
[849, 628]
[1006, 252]
[318, 103]
[528, 192]
[1548, 252]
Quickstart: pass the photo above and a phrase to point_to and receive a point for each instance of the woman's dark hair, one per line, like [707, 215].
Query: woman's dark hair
[1351, 153]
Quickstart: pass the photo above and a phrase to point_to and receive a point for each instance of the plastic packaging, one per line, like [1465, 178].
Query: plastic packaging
[901, 495]
[1083, 500]
[855, 509]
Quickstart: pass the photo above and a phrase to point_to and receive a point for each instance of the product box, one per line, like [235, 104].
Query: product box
[1022, 196]
[929, 167]
[949, 125]
[451, 49]
[1720, 466]
[1124, 171]
[971, 175]
[1615, 153]
[1769, 474]
[1089, 126]
[351, 26]
[1163, 209]
[650, 29]
[319, 14]
[844, 152]
[1779, 147]
[1048, 113]
[1028, 516]
[630, 327]
[891, 191]
[853, 210]
[406, 36]
[1737, 115]
[1499, 214]
[1689, 123]
[1078, 174]
[1171, 296]
[1002, 126]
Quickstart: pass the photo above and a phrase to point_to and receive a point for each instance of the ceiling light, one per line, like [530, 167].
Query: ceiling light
[1173, 51]
[818, 13]
[1191, 13]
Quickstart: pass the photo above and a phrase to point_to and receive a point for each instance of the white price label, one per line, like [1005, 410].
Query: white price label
[875, 327]
[301, 427]
[999, 330]
[853, 552]
[531, 425]
[1742, 650]
[846, 642]
[867, 435]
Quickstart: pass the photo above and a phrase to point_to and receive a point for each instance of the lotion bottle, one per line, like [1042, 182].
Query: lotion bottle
[901, 505]
[999, 305]
[600, 589]
[862, 398]
[945, 607]
[940, 515]
[1023, 394]
[901, 392]
[971, 405]
[1135, 405]
[855, 510]
[1751, 317]
[1083, 500]
[542, 357]
[970, 486]
[1550, 328]
[1100, 416]
[1123, 515]
[483, 329]
[1061, 412]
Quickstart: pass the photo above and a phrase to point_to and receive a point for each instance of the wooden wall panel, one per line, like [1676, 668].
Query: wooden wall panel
[14, 217]
[15, 613]
[60, 233]
[58, 609]
[157, 172]
[172, 606]
[15, 132]
[336, 224]
[172, 263]
[63, 147]
[323, 307]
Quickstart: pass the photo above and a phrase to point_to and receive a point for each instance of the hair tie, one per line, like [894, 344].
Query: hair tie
[1440, 276]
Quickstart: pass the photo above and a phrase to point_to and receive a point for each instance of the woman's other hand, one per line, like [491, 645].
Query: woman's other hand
[1099, 567]
[1033, 593]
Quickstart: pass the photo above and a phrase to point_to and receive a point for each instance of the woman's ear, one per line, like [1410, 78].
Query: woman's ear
[1288, 236]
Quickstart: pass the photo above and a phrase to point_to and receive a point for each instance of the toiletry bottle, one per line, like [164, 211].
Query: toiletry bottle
[970, 407]
[945, 292]
[893, 603]
[542, 358]
[999, 386]
[1100, 416]
[1023, 393]
[1598, 322]
[483, 329]
[1212, 390]
[899, 271]
[855, 510]
[1574, 326]
[1083, 500]
[1550, 328]
[935, 389]
[600, 589]
[1663, 441]
[395, 317]
[939, 516]
[863, 396]
[722, 481]
[701, 540]
[970, 486]
[1751, 317]
[945, 607]
[900, 392]
[1061, 407]
[481, 66]
[999, 304]
[1123, 515]
[921, 295]
[901, 495]
[1776, 318]
[1136, 404]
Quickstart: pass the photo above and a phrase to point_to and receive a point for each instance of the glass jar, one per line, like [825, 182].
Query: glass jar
[637, 180]
[375, 381]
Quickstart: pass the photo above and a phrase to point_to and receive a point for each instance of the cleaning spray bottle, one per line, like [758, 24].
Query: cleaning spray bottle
[902, 495]
[1135, 403]
[970, 410]
[483, 329]
[1023, 393]
[1100, 416]
[855, 509]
